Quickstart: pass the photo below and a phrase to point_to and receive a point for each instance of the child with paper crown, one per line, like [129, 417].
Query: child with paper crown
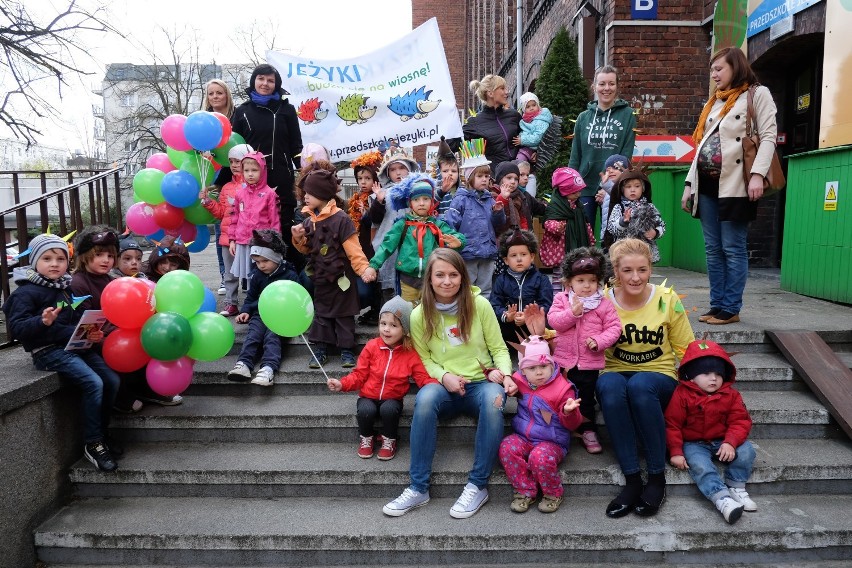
[328, 237]
[548, 410]
[706, 419]
[474, 213]
[42, 314]
[414, 236]
[397, 164]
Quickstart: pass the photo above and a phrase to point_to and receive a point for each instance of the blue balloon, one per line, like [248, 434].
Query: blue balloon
[209, 303]
[202, 239]
[180, 188]
[202, 130]
[156, 236]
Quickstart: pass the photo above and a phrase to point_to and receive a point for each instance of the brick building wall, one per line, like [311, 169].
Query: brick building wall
[451, 22]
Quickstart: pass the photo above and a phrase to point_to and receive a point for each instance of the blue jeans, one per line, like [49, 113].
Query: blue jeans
[88, 372]
[217, 231]
[590, 209]
[433, 402]
[632, 405]
[369, 296]
[727, 256]
[699, 456]
[261, 343]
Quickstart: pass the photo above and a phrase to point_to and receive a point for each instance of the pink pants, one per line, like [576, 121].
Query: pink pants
[527, 464]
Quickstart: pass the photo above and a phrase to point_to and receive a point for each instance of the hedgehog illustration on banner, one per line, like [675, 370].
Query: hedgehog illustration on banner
[353, 109]
[413, 104]
[312, 111]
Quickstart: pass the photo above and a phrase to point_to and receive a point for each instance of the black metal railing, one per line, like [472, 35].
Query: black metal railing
[104, 207]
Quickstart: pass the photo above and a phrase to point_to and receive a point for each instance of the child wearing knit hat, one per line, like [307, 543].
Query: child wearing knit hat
[548, 409]
[706, 419]
[382, 378]
[415, 235]
[328, 237]
[613, 167]
[42, 314]
[535, 121]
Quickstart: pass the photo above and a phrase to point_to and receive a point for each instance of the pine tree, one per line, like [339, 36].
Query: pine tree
[562, 89]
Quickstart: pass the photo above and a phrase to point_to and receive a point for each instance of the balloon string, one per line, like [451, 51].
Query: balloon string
[202, 169]
[315, 357]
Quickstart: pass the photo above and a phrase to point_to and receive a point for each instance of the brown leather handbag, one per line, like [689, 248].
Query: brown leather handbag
[774, 180]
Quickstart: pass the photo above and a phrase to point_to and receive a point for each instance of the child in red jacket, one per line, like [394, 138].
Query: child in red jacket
[382, 374]
[707, 418]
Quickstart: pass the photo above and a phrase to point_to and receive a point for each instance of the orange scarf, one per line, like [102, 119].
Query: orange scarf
[730, 97]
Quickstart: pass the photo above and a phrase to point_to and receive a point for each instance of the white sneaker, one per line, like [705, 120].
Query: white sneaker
[730, 509]
[410, 499]
[471, 499]
[263, 377]
[239, 373]
[740, 495]
[222, 290]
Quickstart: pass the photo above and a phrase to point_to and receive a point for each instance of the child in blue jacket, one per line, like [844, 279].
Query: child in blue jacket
[535, 120]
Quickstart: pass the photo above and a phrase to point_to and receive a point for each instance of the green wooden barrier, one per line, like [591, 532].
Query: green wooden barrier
[683, 244]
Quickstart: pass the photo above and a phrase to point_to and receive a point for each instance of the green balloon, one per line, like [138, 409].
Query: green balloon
[146, 185]
[198, 215]
[179, 291]
[286, 308]
[166, 336]
[220, 154]
[177, 157]
[191, 165]
[212, 336]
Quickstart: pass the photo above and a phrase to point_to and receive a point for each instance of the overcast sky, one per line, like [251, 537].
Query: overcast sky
[313, 28]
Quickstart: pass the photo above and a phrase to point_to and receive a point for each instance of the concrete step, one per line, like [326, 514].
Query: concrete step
[334, 531]
[202, 469]
[261, 416]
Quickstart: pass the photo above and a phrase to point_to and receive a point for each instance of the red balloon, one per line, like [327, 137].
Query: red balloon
[168, 216]
[123, 351]
[226, 128]
[187, 232]
[128, 302]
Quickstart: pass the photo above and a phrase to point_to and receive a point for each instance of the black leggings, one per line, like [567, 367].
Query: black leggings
[585, 383]
[369, 409]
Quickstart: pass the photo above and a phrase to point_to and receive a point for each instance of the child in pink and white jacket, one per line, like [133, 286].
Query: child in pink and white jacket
[586, 324]
[255, 208]
[223, 209]
[548, 409]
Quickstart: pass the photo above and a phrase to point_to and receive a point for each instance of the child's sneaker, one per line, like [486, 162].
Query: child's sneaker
[240, 373]
[521, 503]
[264, 377]
[222, 290]
[365, 447]
[740, 495]
[318, 360]
[590, 441]
[132, 407]
[730, 509]
[469, 502]
[549, 504]
[388, 449]
[347, 358]
[229, 311]
[410, 499]
[98, 454]
[163, 400]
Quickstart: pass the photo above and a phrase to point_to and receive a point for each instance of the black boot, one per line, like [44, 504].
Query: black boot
[653, 496]
[627, 499]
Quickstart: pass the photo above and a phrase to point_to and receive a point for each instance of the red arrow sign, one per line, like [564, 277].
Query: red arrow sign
[674, 148]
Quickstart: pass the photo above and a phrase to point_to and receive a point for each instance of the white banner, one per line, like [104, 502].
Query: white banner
[402, 91]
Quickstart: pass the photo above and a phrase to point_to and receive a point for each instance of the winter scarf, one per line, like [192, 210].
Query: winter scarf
[730, 97]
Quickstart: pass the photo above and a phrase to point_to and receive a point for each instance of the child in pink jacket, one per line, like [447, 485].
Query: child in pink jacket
[255, 208]
[586, 324]
[223, 209]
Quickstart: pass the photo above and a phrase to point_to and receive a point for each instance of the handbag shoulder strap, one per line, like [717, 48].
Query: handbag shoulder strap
[751, 126]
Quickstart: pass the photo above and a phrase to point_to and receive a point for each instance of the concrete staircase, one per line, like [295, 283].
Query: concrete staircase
[241, 475]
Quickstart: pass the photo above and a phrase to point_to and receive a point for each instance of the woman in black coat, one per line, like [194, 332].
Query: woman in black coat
[498, 123]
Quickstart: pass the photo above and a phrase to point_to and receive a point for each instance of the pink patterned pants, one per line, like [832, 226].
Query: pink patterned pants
[527, 464]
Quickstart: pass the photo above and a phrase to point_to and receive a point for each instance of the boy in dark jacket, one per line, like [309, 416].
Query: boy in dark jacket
[520, 285]
[42, 314]
[705, 418]
[267, 253]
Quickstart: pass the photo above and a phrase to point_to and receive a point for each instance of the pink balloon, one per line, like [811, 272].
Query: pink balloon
[169, 378]
[160, 161]
[149, 283]
[187, 232]
[140, 219]
[172, 132]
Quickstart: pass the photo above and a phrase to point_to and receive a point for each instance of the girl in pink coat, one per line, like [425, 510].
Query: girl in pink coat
[586, 324]
[255, 208]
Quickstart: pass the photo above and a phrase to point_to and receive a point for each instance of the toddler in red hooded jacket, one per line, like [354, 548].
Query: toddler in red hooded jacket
[706, 419]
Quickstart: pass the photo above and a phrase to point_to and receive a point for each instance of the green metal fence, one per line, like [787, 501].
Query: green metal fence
[683, 244]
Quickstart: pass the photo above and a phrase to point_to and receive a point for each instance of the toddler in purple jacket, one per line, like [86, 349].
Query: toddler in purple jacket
[548, 409]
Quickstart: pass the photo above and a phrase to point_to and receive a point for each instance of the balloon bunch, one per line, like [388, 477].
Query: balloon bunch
[166, 326]
[166, 190]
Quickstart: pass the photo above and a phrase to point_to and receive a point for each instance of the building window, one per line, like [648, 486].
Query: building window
[127, 100]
